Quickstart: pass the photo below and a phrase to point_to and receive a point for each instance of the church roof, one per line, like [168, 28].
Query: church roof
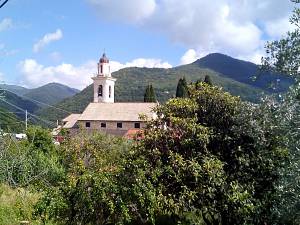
[70, 120]
[104, 59]
[120, 111]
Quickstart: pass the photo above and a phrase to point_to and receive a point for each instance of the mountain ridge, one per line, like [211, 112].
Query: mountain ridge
[251, 73]
[132, 81]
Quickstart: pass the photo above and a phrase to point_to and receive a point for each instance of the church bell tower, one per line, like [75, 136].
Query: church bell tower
[104, 83]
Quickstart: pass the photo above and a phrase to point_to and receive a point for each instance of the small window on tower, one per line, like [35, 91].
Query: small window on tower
[109, 91]
[101, 67]
[100, 90]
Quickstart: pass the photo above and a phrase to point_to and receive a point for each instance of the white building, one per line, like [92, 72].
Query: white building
[104, 114]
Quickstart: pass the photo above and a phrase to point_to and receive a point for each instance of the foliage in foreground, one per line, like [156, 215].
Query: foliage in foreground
[17, 205]
[33, 161]
[208, 159]
[90, 192]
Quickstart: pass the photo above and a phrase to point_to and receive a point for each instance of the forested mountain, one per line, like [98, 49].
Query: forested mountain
[10, 99]
[9, 122]
[19, 90]
[244, 72]
[51, 93]
[235, 76]
[131, 82]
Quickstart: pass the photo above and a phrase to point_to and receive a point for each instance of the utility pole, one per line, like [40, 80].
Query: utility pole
[26, 119]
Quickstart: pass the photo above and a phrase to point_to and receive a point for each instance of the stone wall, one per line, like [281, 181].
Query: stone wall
[110, 125]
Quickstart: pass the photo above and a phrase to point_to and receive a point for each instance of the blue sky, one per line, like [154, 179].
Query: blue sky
[60, 41]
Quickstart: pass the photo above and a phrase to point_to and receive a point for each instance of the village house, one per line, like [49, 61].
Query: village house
[106, 115]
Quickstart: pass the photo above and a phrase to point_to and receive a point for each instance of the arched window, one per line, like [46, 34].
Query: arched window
[101, 67]
[109, 91]
[100, 90]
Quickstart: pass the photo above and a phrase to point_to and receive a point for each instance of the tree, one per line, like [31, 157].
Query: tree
[30, 162]
[203, 161]
[208, 159]
[207, 80]
[182, 89]
[149, 95]
[91, 192]
[283, 57]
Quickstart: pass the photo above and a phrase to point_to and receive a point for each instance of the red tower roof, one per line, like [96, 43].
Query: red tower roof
[104, 59]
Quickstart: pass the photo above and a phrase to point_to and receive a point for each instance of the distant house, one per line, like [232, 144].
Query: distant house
[103, 114]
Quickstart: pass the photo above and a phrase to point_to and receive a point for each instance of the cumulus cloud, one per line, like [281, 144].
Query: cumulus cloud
[140, 62]
[6, 24]
[190, 56]
[237, 28]
[132, 11]
[35, 74]
[278, 28]
[47, 39]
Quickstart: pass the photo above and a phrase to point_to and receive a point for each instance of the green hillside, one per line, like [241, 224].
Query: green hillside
[9, 122]
[244, 71]
[19, 90]
[10, 99]
[131, 84]
[51, 93]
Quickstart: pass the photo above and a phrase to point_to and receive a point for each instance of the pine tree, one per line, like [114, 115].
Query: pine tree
[182, 90]
[207, 80]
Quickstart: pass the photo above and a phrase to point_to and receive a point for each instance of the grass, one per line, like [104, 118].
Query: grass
[17, 204]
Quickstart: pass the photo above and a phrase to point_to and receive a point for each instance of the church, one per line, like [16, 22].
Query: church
[106, 115]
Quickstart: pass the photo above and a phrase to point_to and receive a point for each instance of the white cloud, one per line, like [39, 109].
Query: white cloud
[35, 74]
[278, 28]
[140, 62]
[237, 28]
[190, 56]
[47, 39]
[133, 11]
[5, 24]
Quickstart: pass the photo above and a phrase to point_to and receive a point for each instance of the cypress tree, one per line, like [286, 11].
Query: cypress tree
[149, 95]
[207, 80]
[152, 94]
[182, 90]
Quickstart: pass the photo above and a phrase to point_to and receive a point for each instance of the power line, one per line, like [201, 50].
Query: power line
[35, 116]
[39, 102]
[5, 1]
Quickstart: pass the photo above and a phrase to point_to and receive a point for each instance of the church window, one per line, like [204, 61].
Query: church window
[137, 125]
[87, 124]
[119, 125]
[100, 90]
[103, 125]
[109, 91]
[101, 68]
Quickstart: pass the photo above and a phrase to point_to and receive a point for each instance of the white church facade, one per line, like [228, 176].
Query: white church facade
[106, 115]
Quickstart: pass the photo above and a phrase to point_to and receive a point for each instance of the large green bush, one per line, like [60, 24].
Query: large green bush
[207, 159]
[34, 161]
